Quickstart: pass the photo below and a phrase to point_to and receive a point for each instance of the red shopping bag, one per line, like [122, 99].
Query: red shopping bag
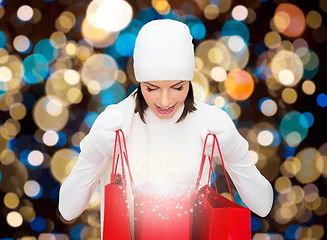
[216, 217]
[116, 217]
[163, 217]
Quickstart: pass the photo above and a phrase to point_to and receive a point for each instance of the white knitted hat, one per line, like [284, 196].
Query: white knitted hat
[164, 51]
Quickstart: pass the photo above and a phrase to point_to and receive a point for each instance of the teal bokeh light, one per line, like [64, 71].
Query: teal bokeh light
[35, 68]
[292, 128]
[2, 40]
[3, 89]
[147, 14]
[311, 66]
[232, 28]
[48, 48]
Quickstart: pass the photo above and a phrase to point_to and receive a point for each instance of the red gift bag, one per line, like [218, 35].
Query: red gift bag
[116, 218]
[163, 217]
[216, 217]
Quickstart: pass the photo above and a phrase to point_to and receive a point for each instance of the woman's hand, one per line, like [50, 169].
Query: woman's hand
[232, 145]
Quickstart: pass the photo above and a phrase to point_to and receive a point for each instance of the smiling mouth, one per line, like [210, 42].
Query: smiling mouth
[165, 110]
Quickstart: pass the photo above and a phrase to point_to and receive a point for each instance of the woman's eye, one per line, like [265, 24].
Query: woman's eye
[149, 89]
[180, 88]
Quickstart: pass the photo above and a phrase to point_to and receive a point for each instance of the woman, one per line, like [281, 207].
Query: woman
[165, 130]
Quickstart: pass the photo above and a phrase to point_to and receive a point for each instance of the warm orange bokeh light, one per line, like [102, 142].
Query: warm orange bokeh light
[239, 84]
[289, 20]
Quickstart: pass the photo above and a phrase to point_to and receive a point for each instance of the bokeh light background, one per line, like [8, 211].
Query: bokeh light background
[62, 61]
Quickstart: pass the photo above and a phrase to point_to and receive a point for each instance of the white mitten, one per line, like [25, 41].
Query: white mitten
[232, 145]
[209, 143]
[99, 142]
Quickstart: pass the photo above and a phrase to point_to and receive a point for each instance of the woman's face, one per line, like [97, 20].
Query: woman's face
[165, 97]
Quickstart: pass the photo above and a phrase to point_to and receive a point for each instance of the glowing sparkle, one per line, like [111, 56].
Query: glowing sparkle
[239, 13]
[25, 13]
[14, 219]
[265, 137]
[286, 77]
[50, 138]
[71, 77]
[35, 158]
[5, 74]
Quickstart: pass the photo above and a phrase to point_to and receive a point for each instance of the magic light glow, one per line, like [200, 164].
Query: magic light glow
[63, 65]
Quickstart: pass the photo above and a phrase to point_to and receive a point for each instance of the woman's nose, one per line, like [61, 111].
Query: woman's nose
[164, 99]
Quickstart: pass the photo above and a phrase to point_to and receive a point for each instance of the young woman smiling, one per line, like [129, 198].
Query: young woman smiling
[165, 130]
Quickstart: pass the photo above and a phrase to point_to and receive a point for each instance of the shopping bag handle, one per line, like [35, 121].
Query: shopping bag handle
[215, 140]
[125, 156]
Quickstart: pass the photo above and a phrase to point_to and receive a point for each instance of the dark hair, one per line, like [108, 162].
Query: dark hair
[141, 105]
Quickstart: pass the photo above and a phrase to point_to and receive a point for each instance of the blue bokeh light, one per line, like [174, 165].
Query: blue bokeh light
[62, 139]
[78, 231]
[90, 118]
[289, 151]
[38, 224]
[23, 156]
[107, 99]
[322, 100]
[131, 88]
[307, 119]
[255, 224]
[293, 232]
[133, 27]
[125, 44]
[147, 14]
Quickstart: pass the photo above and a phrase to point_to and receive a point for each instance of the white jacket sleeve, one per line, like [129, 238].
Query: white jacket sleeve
[254, 189]
[76, 191]
[78, 188]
